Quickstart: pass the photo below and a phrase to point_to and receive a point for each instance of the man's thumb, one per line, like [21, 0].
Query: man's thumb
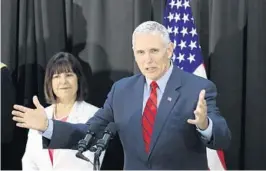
[36, 102]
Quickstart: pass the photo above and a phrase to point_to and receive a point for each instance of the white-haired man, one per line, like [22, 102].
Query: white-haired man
[166, 117]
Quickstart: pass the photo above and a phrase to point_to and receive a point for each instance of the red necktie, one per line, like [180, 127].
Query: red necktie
[51, 151]
[149, 115]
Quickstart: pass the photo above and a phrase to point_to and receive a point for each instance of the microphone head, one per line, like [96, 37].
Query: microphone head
[95, 128]
[111, 128]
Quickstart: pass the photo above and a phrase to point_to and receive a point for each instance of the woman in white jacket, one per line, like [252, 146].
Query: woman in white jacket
[65, 89]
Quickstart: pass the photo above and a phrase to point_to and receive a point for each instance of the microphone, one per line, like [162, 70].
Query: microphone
[84, 143]
[109, 133]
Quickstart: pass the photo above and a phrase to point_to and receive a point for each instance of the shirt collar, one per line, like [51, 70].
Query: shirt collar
[163, 80]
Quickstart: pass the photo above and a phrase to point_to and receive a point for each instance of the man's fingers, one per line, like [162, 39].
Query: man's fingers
[201, 100]
[202, 95]
[21, 108]
[17, 113]
[201, 108]
[204, 104]
[18, 119]
[21, 125]
[201, 105]
[192, 121]
[199, 113]
[36, 102]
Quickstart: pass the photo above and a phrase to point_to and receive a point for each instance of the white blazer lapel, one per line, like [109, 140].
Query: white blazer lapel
[45, 153]
[50, 115]
[50, 111]
[74, 113]
[73, 117]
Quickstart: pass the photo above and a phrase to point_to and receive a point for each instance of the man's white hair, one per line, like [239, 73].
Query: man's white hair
[151, 27]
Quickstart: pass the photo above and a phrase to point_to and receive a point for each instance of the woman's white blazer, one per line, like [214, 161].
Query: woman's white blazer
[37, 158]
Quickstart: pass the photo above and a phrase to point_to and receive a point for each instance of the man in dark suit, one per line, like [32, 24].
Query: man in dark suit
[166, 117]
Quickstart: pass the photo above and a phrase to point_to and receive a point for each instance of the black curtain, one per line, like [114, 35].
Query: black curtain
[98, 32]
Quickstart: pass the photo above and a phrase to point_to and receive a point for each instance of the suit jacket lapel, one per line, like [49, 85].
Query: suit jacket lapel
[168, 101]
[136, 105]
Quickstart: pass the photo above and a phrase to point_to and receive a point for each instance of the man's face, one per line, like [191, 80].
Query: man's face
[152, 54]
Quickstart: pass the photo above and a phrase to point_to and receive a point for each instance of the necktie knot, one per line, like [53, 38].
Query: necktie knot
[154, 85]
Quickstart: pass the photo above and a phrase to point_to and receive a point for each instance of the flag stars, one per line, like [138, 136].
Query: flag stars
[182, 44]
[172, 4]
[173, 57]
[180, 67]
[170, 16]
[184, 31]
[181, 57]
[169, 29]
[186, 4]
[178, 4]
[174, 44]
[181, 27]
[175, 31]
[177, 17]
[191, 58]
[192, 45]
[193, 32]
[185, 18]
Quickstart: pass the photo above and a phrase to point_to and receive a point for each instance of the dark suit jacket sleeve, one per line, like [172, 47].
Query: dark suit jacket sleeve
[7, 102]
[221, 135]
[66, 135]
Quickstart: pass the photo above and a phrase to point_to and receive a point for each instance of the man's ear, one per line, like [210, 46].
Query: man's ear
[170, 50]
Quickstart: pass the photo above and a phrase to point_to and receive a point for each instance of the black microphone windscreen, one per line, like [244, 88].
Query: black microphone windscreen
[94, 128]
[111, 127]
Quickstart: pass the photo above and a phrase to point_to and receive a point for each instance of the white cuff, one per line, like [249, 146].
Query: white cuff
[207, 133]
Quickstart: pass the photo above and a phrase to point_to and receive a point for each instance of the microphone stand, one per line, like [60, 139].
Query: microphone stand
[81, 156]
[97, 154]
[96, 162]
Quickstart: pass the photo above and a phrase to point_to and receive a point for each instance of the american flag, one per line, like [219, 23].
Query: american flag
[187, 55]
